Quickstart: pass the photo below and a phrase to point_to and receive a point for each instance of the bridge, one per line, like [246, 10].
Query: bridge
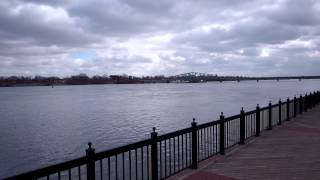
[204, 77]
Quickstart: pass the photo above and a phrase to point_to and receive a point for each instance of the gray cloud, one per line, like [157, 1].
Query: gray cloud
[64, 37]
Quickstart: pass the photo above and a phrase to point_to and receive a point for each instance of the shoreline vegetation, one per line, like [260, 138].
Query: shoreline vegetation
[83, 79]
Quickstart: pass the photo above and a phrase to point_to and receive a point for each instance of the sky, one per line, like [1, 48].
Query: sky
[166, 37]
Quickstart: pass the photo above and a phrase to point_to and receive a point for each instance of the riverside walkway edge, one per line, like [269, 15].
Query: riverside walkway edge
[289, 151]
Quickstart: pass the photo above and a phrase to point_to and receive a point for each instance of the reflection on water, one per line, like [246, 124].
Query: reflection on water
[44, 125]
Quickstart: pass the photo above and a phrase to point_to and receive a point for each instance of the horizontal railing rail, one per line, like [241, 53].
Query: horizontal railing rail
[162, 156]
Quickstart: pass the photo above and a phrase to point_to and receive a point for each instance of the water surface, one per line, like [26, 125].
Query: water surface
[43, 125]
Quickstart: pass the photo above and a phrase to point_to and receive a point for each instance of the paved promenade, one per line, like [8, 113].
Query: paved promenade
[289, 151]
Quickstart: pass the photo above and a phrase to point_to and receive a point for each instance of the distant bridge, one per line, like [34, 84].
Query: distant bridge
[204, 77]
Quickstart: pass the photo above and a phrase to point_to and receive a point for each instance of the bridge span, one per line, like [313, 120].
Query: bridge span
[205, 77]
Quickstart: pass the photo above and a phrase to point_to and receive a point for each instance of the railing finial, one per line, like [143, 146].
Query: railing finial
[90, 144]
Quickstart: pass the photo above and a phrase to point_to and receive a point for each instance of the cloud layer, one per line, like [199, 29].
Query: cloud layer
[142, 37]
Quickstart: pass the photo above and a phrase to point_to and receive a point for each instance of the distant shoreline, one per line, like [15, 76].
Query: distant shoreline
[83, 79]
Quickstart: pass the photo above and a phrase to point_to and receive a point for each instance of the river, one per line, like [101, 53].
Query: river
[41, 125]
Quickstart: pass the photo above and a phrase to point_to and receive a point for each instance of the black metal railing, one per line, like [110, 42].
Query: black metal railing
[165, 155]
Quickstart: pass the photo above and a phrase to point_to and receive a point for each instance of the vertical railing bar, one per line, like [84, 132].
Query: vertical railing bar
[216, 146]
[136, 159]
[109, 172]
[209, 140]
[59, 175]
[170, 157]
[123, 169]
[190, 149]
[101, 169]
[160, 159]
[279, 109]
[205, 142]
[79, 172]
[148, 159]
[236, 131]
[209, 143]
[270, 116]
[226, 134]
[251, 119]
[69, 174]
[174, 155]
[213, 142]
[288, 109]
[165, 158]
[130, 172]
[116, 156]
[178, 152]
[198, 144]
[186, 146]
[201, 146]
[142, 159]
[182, 155]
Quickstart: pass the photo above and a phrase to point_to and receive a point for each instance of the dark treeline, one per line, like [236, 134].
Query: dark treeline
[81, 79]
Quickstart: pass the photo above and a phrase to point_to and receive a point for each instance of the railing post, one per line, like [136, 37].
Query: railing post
[91, 172]
[301, 104]
[295, 106]
[154, 154]
[288, 109]
[309, 100]
[306, 103]
[280, 104]
[222, 137]
[317, 98]
[194, 144]
[242, 127]
[270, 116]
[313, 99]
[257, 120]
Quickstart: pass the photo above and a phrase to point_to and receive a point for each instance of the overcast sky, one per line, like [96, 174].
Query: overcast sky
[146, 37]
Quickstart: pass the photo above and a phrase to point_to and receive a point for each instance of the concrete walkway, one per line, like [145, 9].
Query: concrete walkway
[289, 151]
